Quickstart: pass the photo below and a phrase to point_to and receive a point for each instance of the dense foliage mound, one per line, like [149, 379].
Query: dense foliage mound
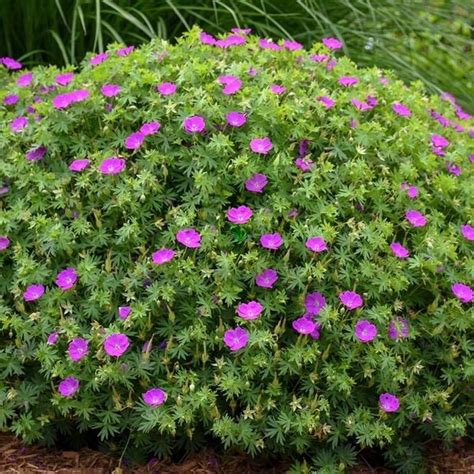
[234, 238]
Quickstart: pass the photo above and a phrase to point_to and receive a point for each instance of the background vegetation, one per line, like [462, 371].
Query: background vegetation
[429, 40]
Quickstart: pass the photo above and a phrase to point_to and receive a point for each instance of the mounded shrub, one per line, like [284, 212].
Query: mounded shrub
[234, 239]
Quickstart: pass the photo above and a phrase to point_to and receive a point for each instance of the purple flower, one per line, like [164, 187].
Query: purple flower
[63, 101]
[348, 81]
[64, 79]
[453, 168]
[241, 31]
[124, 312]
[112, 165]
[78, 348]
[150, 128]
[18, 124]
[162, 256]
[189, 238]
[125, 51]
[415, 218]
[98, 58]
[134, 141]
[412, 192]
[66, 279]
[116, 344]
[154, 397]
[271, 241]
[438, 141]
[10, 63]
[277, 89]
[33, 292]
[269, 44]
[256, 183]
[194, 124]
[261, 145]
[11, 99]
[231, 40]
[292, 45]
[316, 244]
[231, 84]
[398, 328]
[304, 325]
[304, 164]
[267, 278]
[463, 293]
[206, 38]
[236, 339]
[326, 101]
[351, 299]
[319, 58]
[25, 79]
[4, 242]
[399, 250]
[467, 231]
[236, 119]
[303, 148]
[314, 303]
[401, 109]
[52, 338]
[250, 310]
[462, 115]
[252, 72]
[365, 331]
[68, 387]
[332, 43]
[166, 88]
[79, 165]
[384, 81]
[110, 90]
[389, 403]
[360, 105]
[239, 215]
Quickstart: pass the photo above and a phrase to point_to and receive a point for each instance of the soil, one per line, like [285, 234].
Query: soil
[15, 457]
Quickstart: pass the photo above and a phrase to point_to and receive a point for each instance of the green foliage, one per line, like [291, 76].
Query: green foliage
[283, 393]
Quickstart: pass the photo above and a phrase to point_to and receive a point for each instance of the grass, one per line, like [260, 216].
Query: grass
[429, 40]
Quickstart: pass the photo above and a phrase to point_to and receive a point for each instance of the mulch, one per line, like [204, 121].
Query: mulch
[16, 457]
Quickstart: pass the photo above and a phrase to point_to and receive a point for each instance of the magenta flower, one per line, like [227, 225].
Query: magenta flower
[314, 303]
[162, 256]
[398, 328]
[315, 334]
[241, 31]
[10, 63]
[319, 58]
[78, 348]
[231, 40]
[351, 299]
[453, 168]
[303, 325]
[110, 90]
[33, 292]
[463, 293]
[261, 145]
[292, 45]
[125, 51]
[467, 231]
[360, 105]
[189, 238]
[63, 101]
[206, 38]
[66, 279]
[4, 242]
[79, 165]
[239, 215]
[116, 344]
[250, 310]
[412, 192]
[98, 58]
[134, 141]
[326, 101]
[194, 124]
[36, 154]
[166, 88]
[236, 119]
[316, 244]
[461, 114]
[277, 89]
[401, 109]
[236, 339]
[365, 331]
[384, 81]
[232, 84]
[18, 124]
[150, 128]
[415, 218]
[154, 397]
[389, 403]
[267, 278]
[271, 241]
[399, 250]
[439, 141]
[11, 99]
[252, 72]
[64, 79]
[268, 44]
[256, 183]
[332, 43]
[68, 387]
[25, 79]
[124, 312]
[112, 165]
[52, 338]
[304, 164]
[348, 81]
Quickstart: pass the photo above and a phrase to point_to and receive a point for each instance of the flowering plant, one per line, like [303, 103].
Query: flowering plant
[188, 250]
